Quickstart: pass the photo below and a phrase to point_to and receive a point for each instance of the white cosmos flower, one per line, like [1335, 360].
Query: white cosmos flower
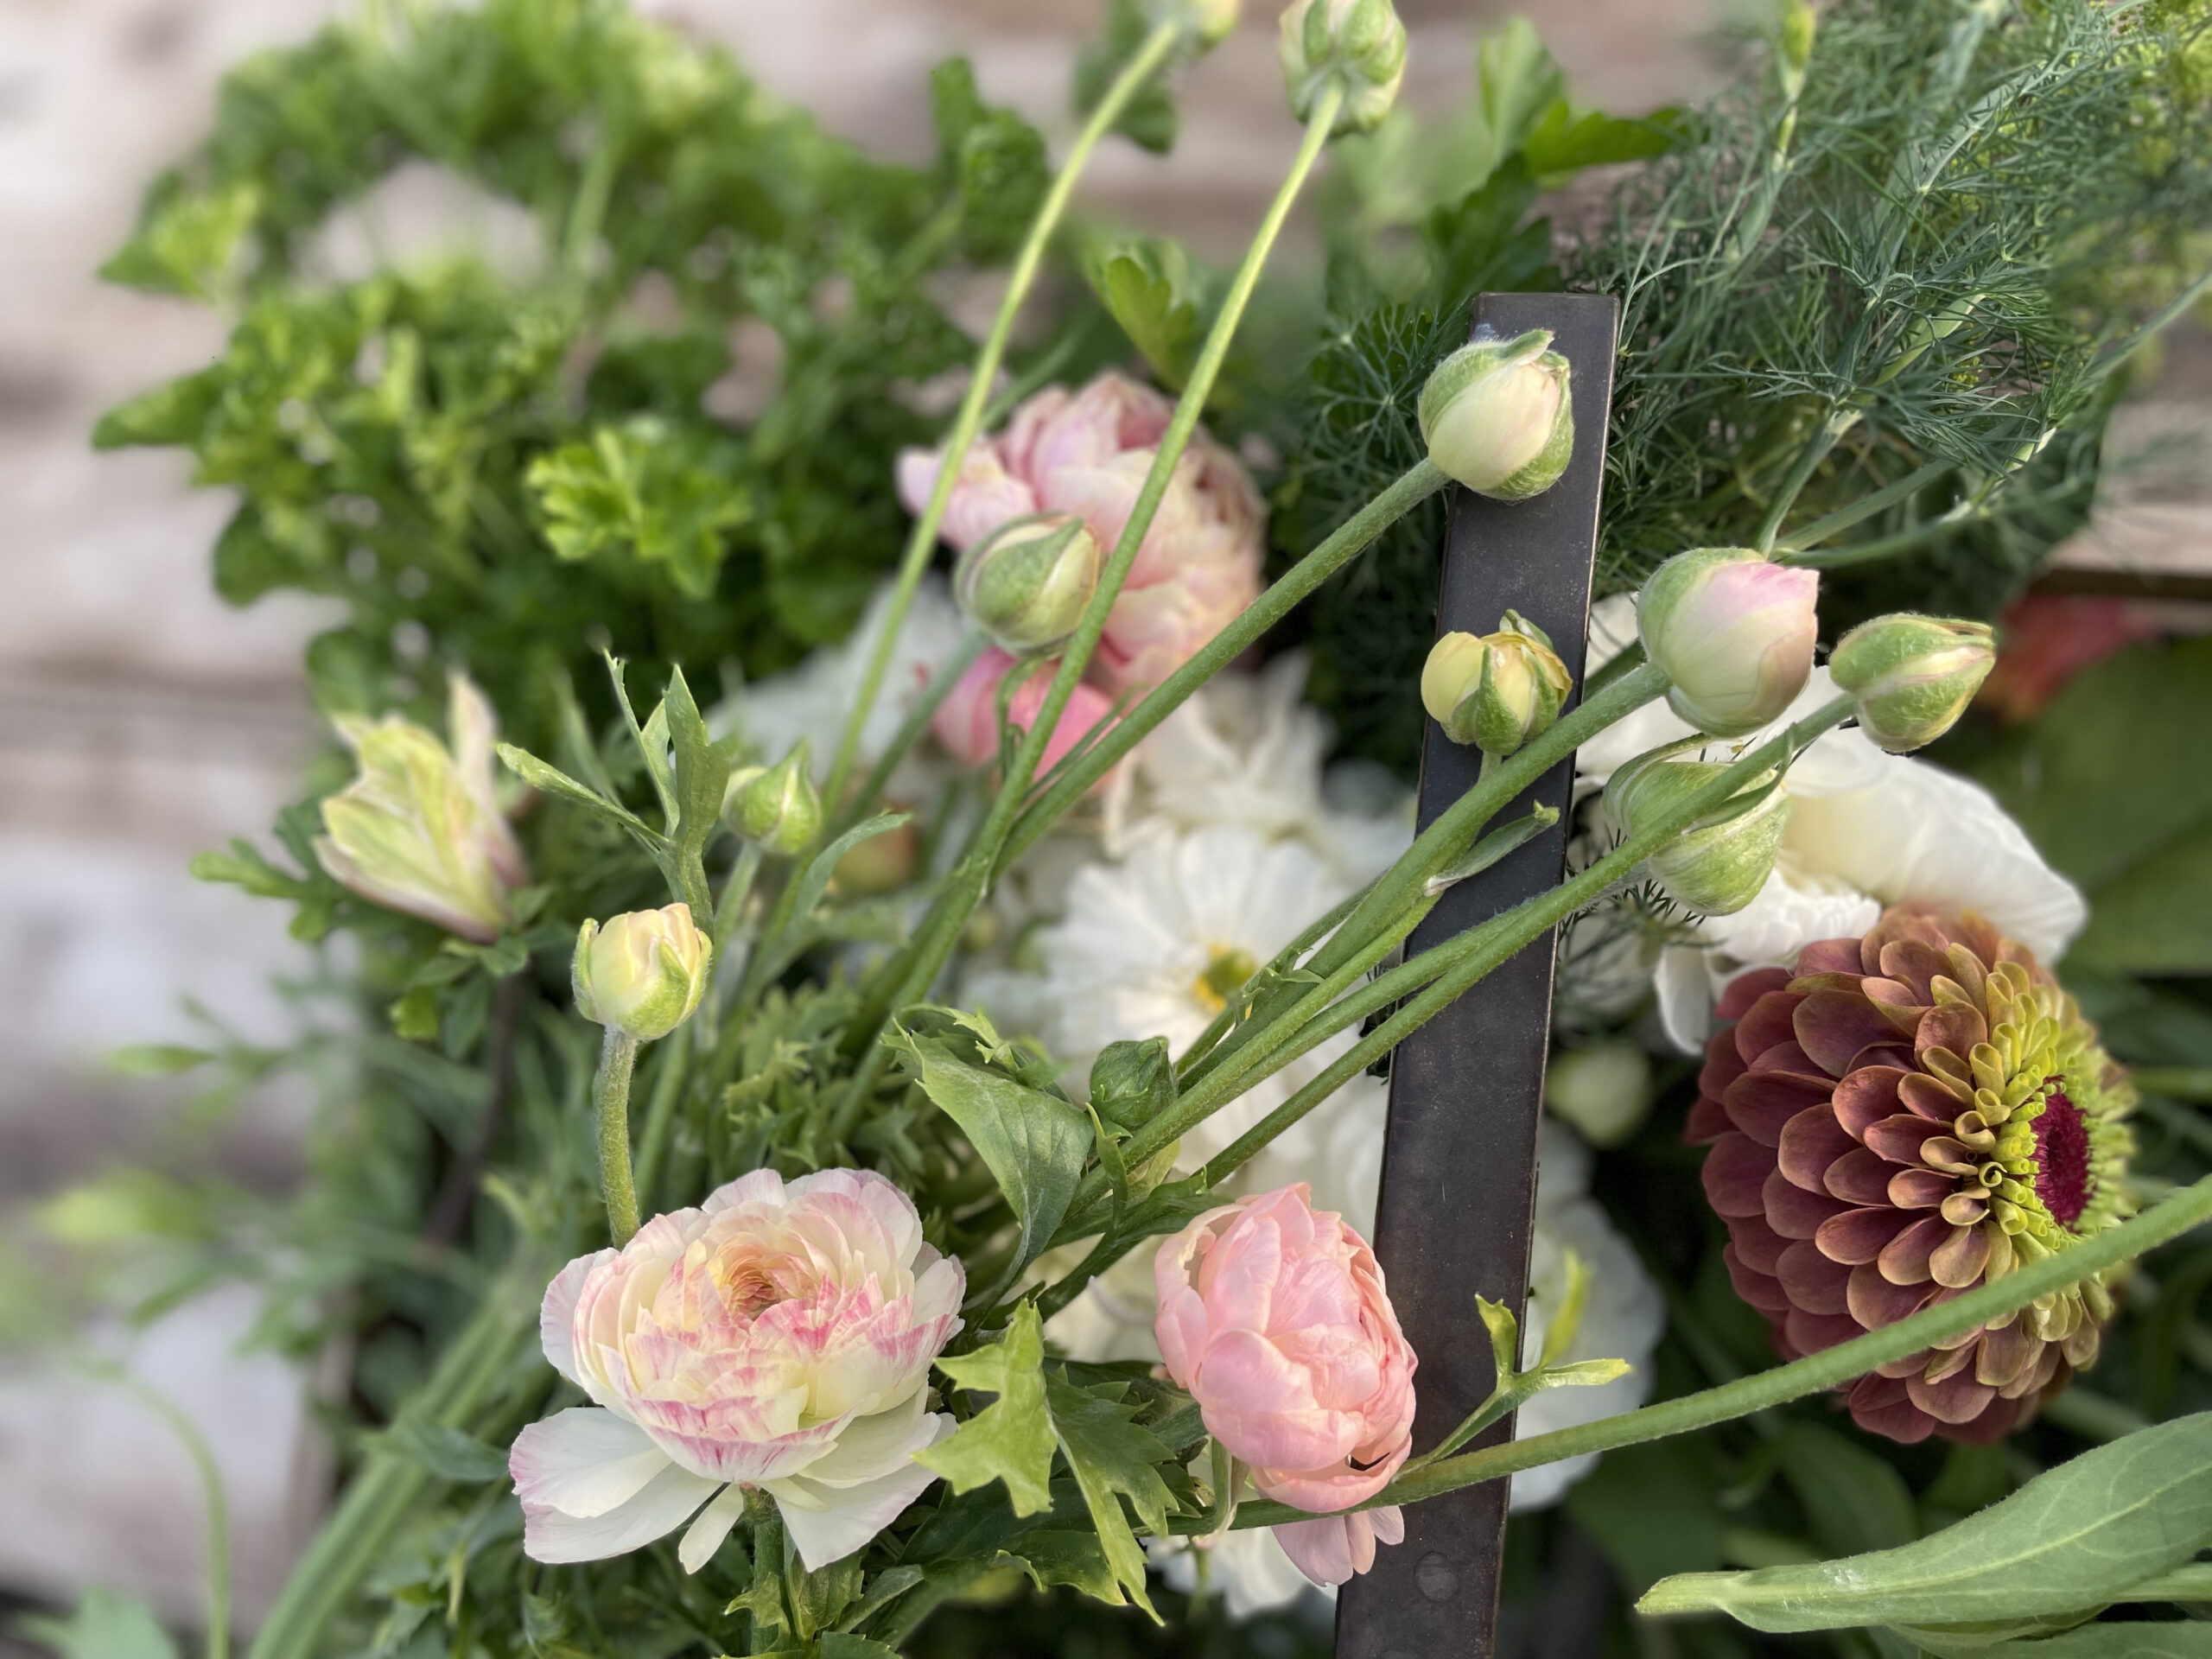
[1247, 749]
[811, 701]
[1867, 830]
[1623, 1318]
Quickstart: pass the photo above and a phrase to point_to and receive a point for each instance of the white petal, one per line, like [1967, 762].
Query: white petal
[557, 1315]
[871, 1447]
[666, 1502]
[583, 1461]
[1685, 998]
[706, 1532]
[827, 1523]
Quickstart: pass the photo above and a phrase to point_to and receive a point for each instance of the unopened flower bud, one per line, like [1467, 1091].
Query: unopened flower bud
[776, 806]
[1027, 582]
[1497, 416]
[642, 972]
[1359, 44]
[420, 829]
[1603, 1090]
[1733, 633]
[1913, 676]
[1208, 20]
[1717, 864]
[1494, 690]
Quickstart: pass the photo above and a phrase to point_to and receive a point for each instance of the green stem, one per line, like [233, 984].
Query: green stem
[922, 542]
[1346, 542]
[1865, 507]
[940, 928]
[2192, 1583]
[1814, 1374]
[1882, 547]
[660, 1112]
[219, 1514]
[611, 1090]
[1833, 425]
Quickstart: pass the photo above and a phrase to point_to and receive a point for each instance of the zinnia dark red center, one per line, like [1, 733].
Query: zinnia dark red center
[2062, 1157]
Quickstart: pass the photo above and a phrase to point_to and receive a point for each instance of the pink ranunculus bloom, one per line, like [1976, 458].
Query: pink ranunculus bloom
[1273, 1314]
[778, 1338]
[1087, 453]
[966, 722]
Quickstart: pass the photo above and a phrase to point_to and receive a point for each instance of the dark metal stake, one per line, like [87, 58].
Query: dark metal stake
[1459, 1158]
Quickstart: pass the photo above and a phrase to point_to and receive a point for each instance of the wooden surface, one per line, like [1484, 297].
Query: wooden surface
[1466, 1090]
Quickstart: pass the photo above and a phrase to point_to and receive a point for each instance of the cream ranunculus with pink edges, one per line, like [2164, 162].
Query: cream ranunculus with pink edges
[1087, 453]
[1273, 1314]
[778, 1338]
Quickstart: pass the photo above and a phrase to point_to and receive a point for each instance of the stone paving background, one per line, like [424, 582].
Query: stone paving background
[141, 721]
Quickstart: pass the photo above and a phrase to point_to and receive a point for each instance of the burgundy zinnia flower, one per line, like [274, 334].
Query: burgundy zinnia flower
[1914, 1113]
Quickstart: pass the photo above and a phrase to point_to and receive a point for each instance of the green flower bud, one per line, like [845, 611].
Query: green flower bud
[776, 806]
[1603, 1090]
[1497, 416]
[1359, 44]
[1494, 690]
[1913, 676]
[1026, 583]
[643, 972]
[1734, 632]
[1718, 863]
[1208, 20]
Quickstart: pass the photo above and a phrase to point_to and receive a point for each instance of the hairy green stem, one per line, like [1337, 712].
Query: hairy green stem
[940, 928]
[1140, 67]
[1843, 518]
[669, 1078]
[1357, 533]
[1814, 1374]
[611, 1091]
[1832, 426]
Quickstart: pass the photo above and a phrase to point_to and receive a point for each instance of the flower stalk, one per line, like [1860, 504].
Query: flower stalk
[610, 1090]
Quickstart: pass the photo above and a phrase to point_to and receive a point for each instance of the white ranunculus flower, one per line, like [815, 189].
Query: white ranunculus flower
[1247, 749]
[1867, 830]
[812, 700]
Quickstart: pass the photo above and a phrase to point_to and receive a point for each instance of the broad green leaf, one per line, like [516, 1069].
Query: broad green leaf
[1854, 1498]
[1562, 141]
[1111, 1459]
[1053, 1556]
[2166, 1639]
[105, 1626]
[1034, 1143]
[1010, 1439]
[701, 769]
[1519, 82]
[2072, 1538]
[818, 1598]
[447, 1452]
[1145, 284]
[883, 1589]
[837, 1644]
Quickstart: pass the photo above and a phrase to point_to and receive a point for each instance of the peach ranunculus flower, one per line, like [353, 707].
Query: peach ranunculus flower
[1273, 1316]
[1087, 453]
[967, 721]
[779, 1337]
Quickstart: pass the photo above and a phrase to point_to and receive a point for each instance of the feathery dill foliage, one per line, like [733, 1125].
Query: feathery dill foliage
[1928, 261]
[499, 469]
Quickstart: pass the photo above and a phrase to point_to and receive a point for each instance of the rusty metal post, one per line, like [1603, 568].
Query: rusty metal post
[1459, 1160]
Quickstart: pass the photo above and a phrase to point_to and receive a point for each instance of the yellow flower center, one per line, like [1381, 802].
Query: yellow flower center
[1226, 970]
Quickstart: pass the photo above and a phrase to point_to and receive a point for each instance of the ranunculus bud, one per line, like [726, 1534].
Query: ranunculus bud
[420, 829]
[1913, 674]
[1208, 20]
[642, 972]
[1602, 1089]
[1027, 582]
[1717, 864]
[1734, 632]
[776, 806]
[1360, 43]
[1494, 690]
[1497, 416]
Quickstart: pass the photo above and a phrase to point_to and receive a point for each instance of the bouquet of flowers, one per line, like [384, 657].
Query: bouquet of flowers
[900, 1137]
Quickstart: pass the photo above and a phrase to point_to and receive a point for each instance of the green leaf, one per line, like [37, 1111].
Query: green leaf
[1033, 1143]
[1562, 141]
[996, 162]
[447, 1452]
[1854, 1498]
[1111, 1458]
[837, 1644]
[1520, 82]
[157, 1060]
[1149, 119]
[2072, 1538]
[662, 494]
[701, 769]
[1145, 284]
[105, 1626]
[883, 1589]
[1010, 1439]
[548, 780]
[2174, 1639]
[176, 413]
[1652, 1508]
[1051, 1556]
[187, 241]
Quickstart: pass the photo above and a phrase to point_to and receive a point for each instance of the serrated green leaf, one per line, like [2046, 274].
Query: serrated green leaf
[1033, 1143]
[1111, 1458]
[447, 1452]
[883, 1589]
[1052, 1555]
[1145, 284]
[2074, 1537]
[664, 494]
[1010, 1439]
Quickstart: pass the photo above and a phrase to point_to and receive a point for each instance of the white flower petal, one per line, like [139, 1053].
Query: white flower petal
[870, 1447]
[1685, 997]
[667, 1501]
[557, 1315]
[583, 1462]
[705, 1535]
[827, 1523]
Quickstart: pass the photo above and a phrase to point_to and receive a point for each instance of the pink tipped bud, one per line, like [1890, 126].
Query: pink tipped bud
[1733, 633]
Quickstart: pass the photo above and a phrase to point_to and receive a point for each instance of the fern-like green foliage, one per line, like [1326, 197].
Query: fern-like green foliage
[488, 470]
